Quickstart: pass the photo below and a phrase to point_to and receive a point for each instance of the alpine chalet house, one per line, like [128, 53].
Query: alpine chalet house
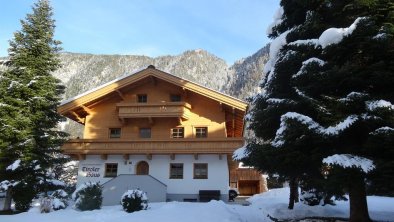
[162, 134]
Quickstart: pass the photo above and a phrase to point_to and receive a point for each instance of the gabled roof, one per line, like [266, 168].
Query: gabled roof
[77, 107]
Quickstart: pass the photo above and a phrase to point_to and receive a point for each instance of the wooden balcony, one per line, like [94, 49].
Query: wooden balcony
[151, 146]
[150, 110]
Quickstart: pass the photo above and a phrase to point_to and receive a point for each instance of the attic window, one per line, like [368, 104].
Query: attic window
[142, 98]
[175, 98]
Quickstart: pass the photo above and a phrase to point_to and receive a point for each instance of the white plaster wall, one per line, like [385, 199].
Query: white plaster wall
[159, 167]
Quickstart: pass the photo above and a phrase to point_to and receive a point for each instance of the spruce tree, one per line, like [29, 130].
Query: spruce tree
[30, 96]
[338, 57]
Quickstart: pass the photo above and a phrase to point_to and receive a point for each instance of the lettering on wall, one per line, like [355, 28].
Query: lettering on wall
[91, 170]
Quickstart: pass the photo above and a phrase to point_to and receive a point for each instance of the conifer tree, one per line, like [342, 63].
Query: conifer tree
[29, 97]
[336, 93]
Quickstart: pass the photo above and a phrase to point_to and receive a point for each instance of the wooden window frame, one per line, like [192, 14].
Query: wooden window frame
[176, 176]
[200, 134]
[112, 169]
[111, 136]
[178, 134]
[200, 176]
[142, 98]
[173, 96]
[145, 128]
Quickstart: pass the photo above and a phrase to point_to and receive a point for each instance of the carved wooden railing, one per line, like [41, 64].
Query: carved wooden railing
[149, 110]
[153, 146]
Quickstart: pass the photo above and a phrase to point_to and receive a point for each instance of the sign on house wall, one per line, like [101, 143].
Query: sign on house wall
[91, 170]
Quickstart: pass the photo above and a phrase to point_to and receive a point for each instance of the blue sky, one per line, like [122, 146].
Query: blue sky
[230, 29]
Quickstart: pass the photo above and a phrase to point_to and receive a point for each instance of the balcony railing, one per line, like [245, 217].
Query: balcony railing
[150, 146]
[149, 110]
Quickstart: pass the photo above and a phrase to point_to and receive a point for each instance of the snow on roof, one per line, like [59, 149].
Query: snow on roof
[350, 161]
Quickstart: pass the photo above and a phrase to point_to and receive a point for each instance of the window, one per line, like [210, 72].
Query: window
[114, 133]
[176, 171]
[201, 132]
[111, 169]
[145, 133]
[200, 171]
[142, 98]
[175, 98]
[177, 132]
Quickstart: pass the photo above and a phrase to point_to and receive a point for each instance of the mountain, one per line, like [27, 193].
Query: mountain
[82, 72]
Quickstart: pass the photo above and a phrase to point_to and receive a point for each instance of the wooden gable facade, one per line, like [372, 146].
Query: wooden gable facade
[152, 112]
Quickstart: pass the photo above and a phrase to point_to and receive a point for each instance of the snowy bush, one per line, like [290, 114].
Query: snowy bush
[23, 194]
[88, 196]
[59, 199]
[134, 200]
[45, 205]
[311, 197]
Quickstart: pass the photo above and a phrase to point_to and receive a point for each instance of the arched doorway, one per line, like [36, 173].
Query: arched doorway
[142, 168]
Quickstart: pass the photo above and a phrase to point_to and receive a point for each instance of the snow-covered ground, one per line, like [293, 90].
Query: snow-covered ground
[273, 202]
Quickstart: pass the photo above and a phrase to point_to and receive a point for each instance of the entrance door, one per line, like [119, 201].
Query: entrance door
[142, 168]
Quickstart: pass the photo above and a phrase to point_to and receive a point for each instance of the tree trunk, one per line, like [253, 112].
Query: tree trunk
[293, 192]
[358, 202]
[296, 193]
[8, 199]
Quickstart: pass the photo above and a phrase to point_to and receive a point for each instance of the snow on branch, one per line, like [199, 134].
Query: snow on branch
[335, 35]
[306, 63]
[330, 36]
[351, 96]
[311, 124]
[240, 153]
[350, 161]
[14, 166]
[5, 185]
[384, 129]
[274, 101]
[277, 20]
[373, 105]
[275, 47]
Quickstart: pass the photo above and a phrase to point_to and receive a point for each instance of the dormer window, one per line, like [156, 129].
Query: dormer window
[175, 98]
[142, 98]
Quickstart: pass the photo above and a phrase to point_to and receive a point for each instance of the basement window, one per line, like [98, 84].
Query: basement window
[114, 132]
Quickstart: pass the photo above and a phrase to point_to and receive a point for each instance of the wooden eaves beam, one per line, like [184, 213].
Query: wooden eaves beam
[80, 119]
